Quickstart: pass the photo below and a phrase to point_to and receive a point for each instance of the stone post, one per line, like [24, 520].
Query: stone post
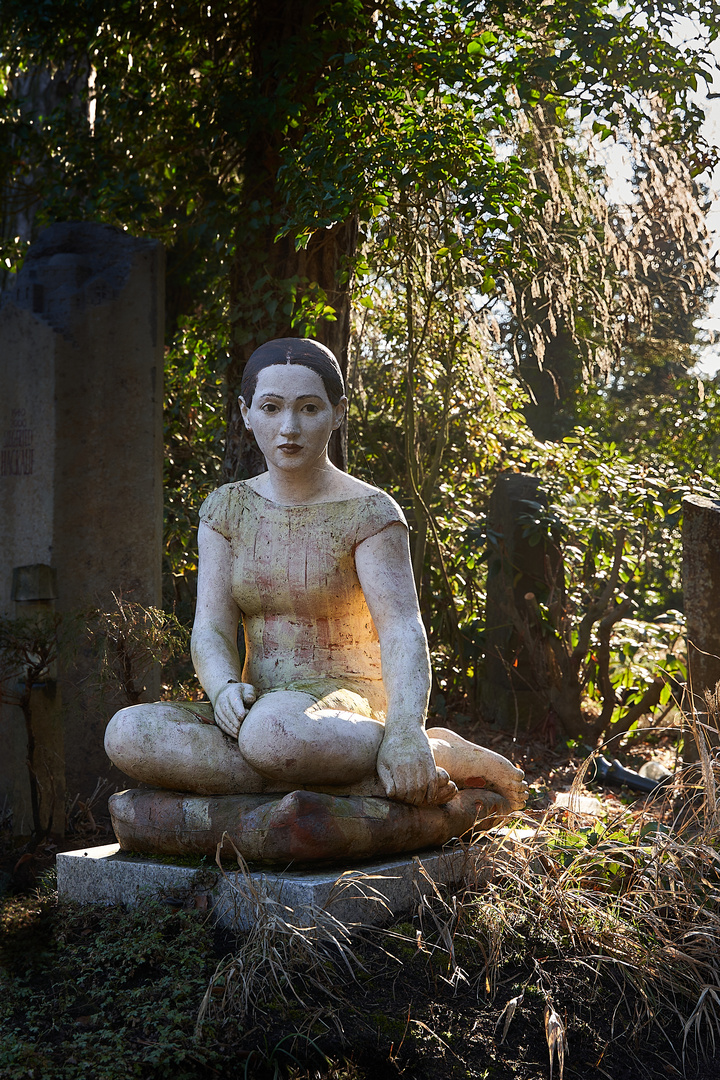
[701, 591]
[81, 362]
[508, 696]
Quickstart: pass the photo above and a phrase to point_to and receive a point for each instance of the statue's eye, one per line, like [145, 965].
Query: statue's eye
[310, 408]
[269, 407]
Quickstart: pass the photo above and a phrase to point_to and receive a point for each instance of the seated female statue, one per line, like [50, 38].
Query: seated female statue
[334, 690]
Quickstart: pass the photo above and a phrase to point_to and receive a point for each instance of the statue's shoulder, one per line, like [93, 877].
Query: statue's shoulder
[375, 511]
[221, 508]
[361, 491]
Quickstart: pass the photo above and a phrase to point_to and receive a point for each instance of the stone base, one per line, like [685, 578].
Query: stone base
[371, 895]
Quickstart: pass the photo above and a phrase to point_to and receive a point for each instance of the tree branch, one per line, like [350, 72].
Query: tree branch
[603, 655]
[598, 607]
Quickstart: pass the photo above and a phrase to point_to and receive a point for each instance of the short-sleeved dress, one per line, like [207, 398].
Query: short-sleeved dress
[307, 625]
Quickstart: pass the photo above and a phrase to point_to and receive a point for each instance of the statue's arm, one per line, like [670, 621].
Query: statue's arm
[405, 763]
[214, 637]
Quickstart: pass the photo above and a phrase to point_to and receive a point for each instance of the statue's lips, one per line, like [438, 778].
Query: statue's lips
[290, 448]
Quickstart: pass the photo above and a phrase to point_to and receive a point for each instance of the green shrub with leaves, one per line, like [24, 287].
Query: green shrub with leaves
[124, 995]
[604, 635]
[194, 417]
[612, 650]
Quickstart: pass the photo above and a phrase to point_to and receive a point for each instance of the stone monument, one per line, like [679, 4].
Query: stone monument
[81, 363]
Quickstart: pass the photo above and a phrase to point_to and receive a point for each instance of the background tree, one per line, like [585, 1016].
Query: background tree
[428, 151]
[253, 137]
[610, 291]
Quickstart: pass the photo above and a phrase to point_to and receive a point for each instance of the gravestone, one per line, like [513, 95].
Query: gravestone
[701, 593]
[508, 693]
[81, 362]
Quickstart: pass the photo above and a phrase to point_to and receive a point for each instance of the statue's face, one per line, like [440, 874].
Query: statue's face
[291, 416]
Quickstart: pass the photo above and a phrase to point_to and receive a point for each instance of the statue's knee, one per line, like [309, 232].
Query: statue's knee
[121, 734]
[255, 739]
[266, 743]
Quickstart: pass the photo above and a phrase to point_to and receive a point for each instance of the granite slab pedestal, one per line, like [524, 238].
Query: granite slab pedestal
[372, 894]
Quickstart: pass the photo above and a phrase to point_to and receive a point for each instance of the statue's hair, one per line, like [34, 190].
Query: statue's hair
[305, 351]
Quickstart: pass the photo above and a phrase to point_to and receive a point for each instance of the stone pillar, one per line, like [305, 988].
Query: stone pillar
[701, 591]
[81, 362]
[508, 696]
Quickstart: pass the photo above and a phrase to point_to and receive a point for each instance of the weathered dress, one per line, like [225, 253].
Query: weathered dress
[306, 622]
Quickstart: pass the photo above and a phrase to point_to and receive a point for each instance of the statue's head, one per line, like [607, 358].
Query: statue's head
[305, 351]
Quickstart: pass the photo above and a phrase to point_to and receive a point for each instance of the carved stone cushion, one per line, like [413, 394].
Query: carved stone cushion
[302, 827]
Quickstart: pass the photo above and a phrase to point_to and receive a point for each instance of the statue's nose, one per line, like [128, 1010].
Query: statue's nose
[289, 424]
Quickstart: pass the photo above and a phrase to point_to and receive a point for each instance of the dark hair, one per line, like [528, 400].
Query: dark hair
[305, 351]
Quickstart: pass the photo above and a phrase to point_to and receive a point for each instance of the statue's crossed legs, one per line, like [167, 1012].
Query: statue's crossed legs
[300, 783]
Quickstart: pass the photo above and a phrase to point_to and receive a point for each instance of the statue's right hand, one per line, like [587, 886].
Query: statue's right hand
[231, 706]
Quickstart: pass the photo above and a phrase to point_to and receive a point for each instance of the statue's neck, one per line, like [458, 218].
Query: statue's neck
[316, 485]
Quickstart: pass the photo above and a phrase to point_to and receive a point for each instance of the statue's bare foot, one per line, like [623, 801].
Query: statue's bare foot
[446, 789]
[471, 765]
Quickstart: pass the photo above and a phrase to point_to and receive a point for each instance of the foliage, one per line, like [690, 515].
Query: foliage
[610, 896]
[160, 113]
[414, 107]
[28, 651]
[29, 648]
[130, 640]
[429, 388]
[447, 131]
[608, 517]
[660, 415]
[486, 116]
[602, 941]
[122, 1001]
[432, 414]
[597, 288]
[194, 417]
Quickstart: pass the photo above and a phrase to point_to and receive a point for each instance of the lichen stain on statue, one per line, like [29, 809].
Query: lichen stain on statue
[316, 750]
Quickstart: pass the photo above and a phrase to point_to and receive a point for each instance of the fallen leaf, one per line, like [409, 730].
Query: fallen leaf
[508, 1012]
[556, 1040]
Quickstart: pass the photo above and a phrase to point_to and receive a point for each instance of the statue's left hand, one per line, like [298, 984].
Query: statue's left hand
[406, 766]
[231, 707]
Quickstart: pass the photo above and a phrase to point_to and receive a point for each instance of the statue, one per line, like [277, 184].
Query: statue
[316, 749]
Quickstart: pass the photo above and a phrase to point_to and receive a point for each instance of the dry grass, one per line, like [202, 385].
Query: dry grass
[642, 910]
[635, 900]
[309, 963]
[627, 912]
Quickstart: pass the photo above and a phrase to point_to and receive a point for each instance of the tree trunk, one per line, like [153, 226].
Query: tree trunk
[292, 44]
[323, 262]
[551, 413]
